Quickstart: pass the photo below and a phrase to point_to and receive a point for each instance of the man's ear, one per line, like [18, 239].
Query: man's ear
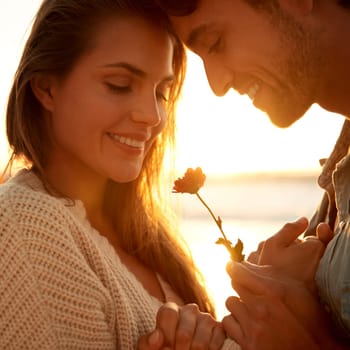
[42, 85]
[297, 8]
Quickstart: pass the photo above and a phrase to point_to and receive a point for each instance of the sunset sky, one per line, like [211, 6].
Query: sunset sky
[220, 134]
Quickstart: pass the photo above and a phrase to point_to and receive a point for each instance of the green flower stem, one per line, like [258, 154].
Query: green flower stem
[218, 222]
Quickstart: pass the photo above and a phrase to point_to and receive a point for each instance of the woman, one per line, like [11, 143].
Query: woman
[88, 253]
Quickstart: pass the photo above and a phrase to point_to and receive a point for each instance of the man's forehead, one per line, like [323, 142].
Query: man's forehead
[197, 33]
[192, 29]
[194, 25]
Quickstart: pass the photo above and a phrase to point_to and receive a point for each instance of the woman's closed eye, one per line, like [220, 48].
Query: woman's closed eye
[162, 96]
[163, 90]
[119, 88]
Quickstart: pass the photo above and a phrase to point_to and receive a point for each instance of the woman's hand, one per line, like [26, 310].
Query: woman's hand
[151, 341]
[183, 328]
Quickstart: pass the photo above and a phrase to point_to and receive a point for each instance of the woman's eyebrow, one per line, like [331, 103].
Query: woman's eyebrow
[130, 67]
[135, 70]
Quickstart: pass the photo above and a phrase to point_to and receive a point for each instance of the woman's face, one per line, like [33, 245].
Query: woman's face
[108, 110]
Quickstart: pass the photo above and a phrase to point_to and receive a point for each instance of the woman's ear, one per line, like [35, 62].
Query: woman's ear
[41, 85]
[297, 8]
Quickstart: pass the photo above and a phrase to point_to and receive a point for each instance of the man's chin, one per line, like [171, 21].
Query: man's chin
[284, 119]
[282, 123]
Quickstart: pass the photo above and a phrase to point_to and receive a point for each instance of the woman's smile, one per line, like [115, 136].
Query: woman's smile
[128, 140]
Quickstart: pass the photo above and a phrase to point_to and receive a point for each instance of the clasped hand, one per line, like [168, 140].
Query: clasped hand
[183, 328]
[278, 306]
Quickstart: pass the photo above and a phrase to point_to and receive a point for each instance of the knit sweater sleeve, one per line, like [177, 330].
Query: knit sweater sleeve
[24, 319]
[50, 297]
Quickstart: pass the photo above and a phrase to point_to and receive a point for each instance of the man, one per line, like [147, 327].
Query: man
[285, 55]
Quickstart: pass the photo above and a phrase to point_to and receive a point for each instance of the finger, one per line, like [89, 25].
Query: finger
[289, 233]
[313, 246]
[233, 328]
[265, 270]
[152, 341]
[324, 233]
[244, 277]
[232, 323]
[238, 310]
[254, 256]
[167, 319]
[204, 330]
[186, 326]
[218, 337]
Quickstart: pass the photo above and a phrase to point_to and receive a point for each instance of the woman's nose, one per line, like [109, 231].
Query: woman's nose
[147, 113]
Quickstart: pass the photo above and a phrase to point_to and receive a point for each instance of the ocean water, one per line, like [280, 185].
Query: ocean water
[252, 208]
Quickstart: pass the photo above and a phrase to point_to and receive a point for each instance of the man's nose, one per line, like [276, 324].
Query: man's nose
[219, 77]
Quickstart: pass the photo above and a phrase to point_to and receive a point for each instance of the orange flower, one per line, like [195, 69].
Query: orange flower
[191, 182]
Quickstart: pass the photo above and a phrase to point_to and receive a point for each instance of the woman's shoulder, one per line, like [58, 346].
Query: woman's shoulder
[24, 202]
[25, 192]
[38, 222]
[25, 182]
[35, 221]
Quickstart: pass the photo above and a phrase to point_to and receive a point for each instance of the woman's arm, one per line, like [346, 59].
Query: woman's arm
[49, 297]
[24, 318]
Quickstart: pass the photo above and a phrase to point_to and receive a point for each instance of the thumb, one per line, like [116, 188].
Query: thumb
[290, 232]
[324, 233]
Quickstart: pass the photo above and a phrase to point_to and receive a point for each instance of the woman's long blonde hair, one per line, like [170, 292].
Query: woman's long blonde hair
[60, 35]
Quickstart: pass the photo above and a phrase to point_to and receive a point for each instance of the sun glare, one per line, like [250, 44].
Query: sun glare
[212, 258]
[226, 135]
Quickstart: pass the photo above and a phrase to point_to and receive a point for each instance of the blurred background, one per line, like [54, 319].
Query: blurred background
[258, 176]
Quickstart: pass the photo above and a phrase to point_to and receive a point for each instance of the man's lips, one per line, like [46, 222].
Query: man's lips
[253, 90]
[250, 89]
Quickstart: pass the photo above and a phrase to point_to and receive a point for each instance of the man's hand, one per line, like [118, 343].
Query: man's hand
[291, 256]
[274, 312]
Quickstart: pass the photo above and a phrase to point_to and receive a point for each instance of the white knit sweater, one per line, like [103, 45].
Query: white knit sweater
[62, 286]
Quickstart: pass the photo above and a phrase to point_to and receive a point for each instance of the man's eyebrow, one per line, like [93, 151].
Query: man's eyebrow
[194, 36]
[131, 68]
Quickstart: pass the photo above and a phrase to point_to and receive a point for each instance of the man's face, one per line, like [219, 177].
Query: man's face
[265, 54]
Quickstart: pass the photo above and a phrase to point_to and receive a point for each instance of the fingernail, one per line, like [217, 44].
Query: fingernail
[154, 337]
